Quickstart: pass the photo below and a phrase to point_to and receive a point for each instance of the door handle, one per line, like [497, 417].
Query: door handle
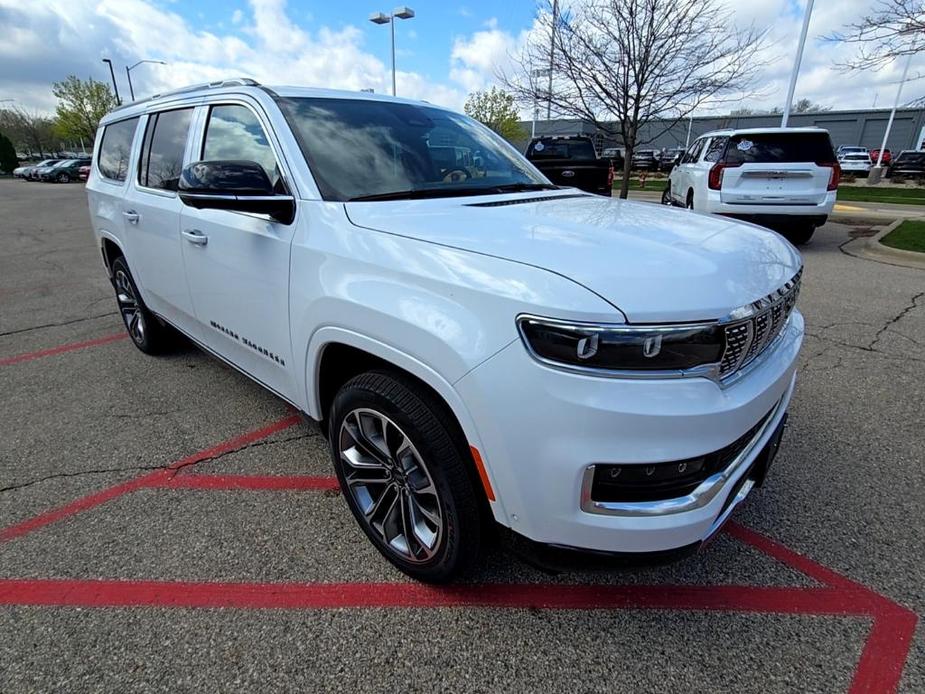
[131, 216]
[195, 236]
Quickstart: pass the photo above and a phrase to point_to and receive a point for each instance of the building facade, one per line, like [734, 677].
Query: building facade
[864, 128]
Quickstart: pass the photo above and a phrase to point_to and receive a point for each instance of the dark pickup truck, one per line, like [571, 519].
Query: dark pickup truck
[571, 161]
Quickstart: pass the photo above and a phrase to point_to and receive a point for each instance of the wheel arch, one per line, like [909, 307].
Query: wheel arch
[110, 249]
[335, 355]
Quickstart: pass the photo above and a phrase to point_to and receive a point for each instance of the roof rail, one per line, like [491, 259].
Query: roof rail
[231, 82]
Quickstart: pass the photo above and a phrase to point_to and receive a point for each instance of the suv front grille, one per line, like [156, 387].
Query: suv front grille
[747, 338]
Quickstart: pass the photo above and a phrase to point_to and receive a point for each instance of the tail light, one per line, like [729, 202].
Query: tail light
[835, 176]
[715, 178]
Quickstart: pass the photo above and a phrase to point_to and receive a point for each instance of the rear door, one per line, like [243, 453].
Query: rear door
[151, 211]
[777, 168]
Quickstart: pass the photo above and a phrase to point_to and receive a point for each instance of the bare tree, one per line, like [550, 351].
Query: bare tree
[622, 64]
[893, 29]
[30, 130]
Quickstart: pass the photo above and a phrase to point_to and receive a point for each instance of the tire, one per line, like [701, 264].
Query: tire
[148, 333]
[64, 178]
[799, 235]
[689, 204]
[398, 462]
[666, 196]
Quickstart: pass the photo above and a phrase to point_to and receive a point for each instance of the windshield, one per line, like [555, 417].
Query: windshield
[381, 149]
[911, 158]
[66, 162]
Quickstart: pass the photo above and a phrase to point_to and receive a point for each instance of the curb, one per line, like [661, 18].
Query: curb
[872, 249]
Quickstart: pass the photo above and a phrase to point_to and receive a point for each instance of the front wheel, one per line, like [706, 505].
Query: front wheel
[666, 196]
[405, 476]
[64, 178]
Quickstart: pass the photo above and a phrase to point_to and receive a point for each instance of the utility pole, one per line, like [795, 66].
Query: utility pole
[796, 64]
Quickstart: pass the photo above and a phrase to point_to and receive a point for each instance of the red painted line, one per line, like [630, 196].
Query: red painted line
[793, 559]
[250, 482]
[109, 593]
[880, 668]
[61, 349]
[152, 479]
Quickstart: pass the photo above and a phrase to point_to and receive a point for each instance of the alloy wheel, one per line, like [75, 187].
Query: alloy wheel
[390, 484]
[129, 307]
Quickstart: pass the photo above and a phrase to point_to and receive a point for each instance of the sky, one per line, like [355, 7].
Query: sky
[447, 50]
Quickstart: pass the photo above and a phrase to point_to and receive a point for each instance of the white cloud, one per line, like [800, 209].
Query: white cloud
[237, 16]
[273, 49]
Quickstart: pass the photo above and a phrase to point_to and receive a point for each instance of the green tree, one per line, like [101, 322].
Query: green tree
[8, 160]
[495, 108]
[81, 105]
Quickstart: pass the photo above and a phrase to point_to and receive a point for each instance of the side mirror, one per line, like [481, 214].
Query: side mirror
[238, 186]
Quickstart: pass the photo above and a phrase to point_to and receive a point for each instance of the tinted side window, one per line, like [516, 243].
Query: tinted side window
[693, 154]
[115, 149]
[162, 152]
[716, 149]
[233, 132]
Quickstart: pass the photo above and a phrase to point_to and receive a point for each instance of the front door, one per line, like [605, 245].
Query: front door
[237, 264]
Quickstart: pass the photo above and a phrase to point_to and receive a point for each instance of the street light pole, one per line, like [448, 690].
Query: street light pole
[112, 74]
[889, 123]
[552, 52]
[796, 64]
[383, 18]
[128, 73]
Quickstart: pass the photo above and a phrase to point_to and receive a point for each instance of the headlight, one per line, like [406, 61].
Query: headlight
[622, 347]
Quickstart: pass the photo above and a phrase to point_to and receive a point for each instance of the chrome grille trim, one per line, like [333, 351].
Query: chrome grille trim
[753, 328]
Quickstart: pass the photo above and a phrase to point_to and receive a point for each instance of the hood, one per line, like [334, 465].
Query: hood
[654, 263]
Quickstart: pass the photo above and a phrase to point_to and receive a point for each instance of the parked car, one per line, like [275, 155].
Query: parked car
[20, 171]
[646, 159]
[589, 373]
[887, 156]
[782, 178]
[29, 173]
[62, 172]
[855, 163]
[83, 173]
[668, 159]
[572, 161]
[910, 163]
[615, 155]
[850, 149]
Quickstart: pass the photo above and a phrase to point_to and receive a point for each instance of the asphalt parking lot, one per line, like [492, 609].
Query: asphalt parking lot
[167, 524]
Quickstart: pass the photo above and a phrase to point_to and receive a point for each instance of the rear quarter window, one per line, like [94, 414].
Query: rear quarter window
[779, 148]
[116, 148]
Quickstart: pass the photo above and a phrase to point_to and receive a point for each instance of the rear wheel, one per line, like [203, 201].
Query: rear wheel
[147, 332]
[666, 196]
[799, 234]
[689, 204]
[404, 475]
[64, 178]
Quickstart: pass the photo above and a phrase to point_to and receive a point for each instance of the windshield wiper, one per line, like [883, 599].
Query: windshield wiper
[447, 192]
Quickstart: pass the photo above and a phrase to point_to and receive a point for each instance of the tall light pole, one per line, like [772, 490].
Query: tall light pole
[796, 64]
[552, 52]
[128, 73]
[534, 74]
[889, 123]
[112, 73]
[383, 18]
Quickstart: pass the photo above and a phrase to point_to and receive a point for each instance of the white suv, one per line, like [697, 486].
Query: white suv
[782, 178]
[479, 344]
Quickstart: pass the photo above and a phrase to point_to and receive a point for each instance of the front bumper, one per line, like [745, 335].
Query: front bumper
[541, 429]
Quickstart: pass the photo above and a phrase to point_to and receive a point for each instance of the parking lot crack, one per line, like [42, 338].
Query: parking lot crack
[81, 473]
[256, 444]
[56, 325]
[913, 304]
